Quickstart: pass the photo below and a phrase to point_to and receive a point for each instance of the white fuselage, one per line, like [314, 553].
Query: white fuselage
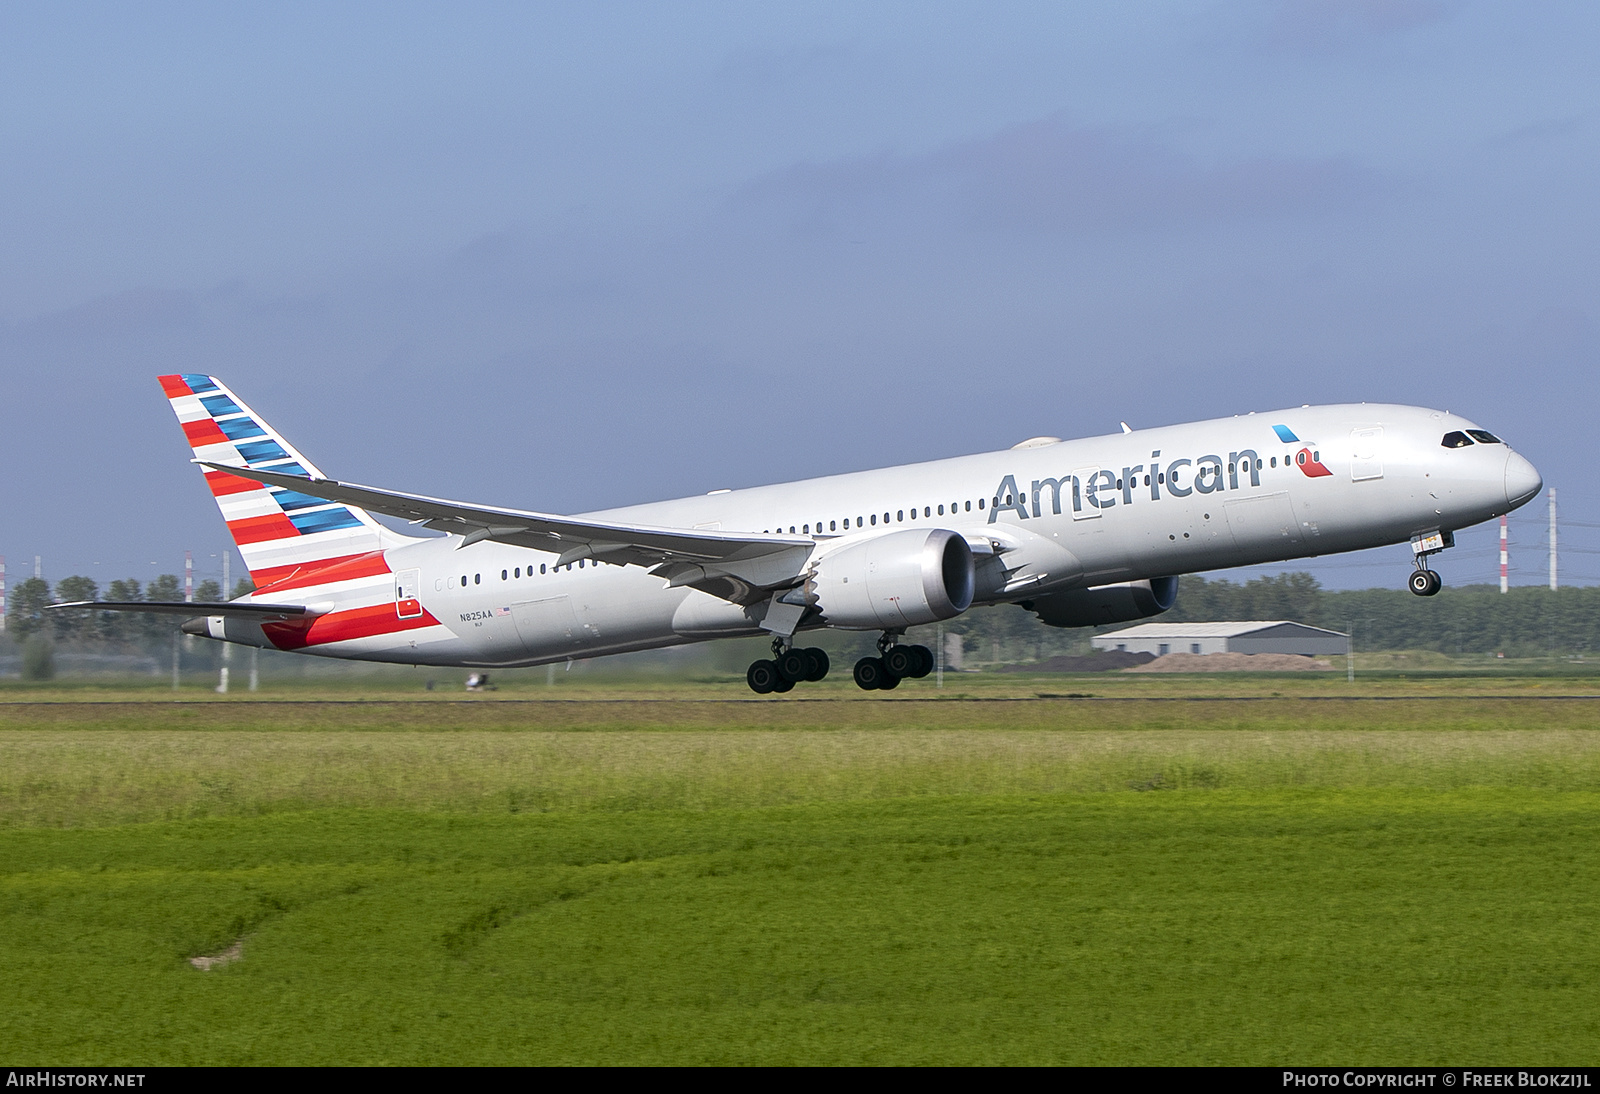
[1064, 515]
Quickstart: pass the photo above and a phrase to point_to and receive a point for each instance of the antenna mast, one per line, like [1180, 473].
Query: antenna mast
[1503, 581]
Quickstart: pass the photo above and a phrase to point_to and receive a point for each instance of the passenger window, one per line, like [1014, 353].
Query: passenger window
[1455, 439]
[858, 522]
[980, 504]
[874, 518]
[541, 567]
[927, 513]
[900, 515]
[1274, 461]
[463, 581]
[477, 579]
[833, 526]
[1484, 436]
[503, 575]
[580, 563]
[1258, 465]
[886, 518]
[941, 510]
[806, 528]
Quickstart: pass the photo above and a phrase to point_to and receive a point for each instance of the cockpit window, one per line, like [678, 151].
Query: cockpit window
[1483, 436]
[1456, 439]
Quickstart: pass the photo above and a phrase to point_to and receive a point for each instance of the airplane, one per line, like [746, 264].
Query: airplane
[1081, 533]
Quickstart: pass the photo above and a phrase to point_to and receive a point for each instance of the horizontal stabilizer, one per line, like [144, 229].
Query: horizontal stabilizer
[190, 607]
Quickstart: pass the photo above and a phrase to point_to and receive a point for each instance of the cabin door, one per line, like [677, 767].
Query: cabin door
[1366, 454]
[407, 585]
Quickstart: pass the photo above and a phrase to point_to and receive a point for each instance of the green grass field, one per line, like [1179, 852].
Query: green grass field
[1254, 879]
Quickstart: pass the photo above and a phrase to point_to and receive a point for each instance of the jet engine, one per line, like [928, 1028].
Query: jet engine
[900, 579]
[1119, 603]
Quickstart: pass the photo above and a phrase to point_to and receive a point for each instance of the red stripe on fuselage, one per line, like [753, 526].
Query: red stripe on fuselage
[261, 529]
[222, 483]
[368, 622]
[173, 386]
[202, 432]
[321, 572]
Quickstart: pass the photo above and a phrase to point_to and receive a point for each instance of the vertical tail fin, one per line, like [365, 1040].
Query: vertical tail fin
[278, 532]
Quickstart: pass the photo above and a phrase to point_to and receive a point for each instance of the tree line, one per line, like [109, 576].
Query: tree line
[27, 618]
[1528, 621]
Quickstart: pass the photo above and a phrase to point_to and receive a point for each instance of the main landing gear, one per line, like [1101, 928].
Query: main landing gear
[789, 666]
[894, 663]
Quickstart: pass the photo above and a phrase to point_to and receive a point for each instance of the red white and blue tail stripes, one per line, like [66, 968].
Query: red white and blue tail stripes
[280, 533]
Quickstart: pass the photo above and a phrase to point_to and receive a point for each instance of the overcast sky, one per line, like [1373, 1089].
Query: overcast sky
[569, 256]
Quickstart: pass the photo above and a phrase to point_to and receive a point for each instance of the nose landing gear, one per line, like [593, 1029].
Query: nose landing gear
[1424, 582]
[894, 663]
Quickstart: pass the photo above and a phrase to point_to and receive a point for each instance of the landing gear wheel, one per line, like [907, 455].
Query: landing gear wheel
[819, 663]
[924, 662]
[783, 685]
[762, 676]
[1425, 582]
[901, 661]
[794, 665]
[870, 674]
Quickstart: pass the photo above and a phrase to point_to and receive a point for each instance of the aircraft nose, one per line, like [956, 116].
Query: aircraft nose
[1523, 481]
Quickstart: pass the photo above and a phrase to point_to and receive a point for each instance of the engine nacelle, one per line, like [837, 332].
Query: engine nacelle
[1119, 603]
[900, 579]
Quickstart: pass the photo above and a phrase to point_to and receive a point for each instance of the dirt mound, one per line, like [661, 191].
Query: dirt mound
[1232, 662]
[217, 960]
[1109, 661]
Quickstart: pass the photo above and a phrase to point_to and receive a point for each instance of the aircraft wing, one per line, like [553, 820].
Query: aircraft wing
[703, 559]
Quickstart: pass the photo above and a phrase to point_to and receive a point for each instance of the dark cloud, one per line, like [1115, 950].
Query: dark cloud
[1333, 26]
[114, 315]
[1535, 133]
[759, 68]
[1051, 176]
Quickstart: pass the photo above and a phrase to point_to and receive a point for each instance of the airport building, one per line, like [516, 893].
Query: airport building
[1257, 636]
